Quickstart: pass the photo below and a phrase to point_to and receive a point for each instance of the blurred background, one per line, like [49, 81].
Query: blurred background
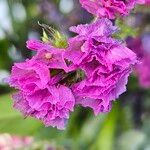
[126, 127]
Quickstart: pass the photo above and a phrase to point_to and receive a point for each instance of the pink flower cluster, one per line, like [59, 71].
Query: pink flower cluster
[110, 8]
[50, 84]
[9, 142]
[40, 93]
[91, 71]
[105, 61]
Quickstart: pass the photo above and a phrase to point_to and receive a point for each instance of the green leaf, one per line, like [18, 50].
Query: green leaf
[75, 123]
[91, 128]
[13, 122]
[106, 136]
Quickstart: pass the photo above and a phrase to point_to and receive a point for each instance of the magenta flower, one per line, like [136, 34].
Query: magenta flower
[142, 70]
[47, 54]
[51, 105]
[41, 95]
[109, 8]
[147, 2]
[142, 49]
[105, 61]
[29, 76]
[92, 71]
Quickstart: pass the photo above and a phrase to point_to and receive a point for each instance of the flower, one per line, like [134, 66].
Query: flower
[92, 71]
[49, 55]
[51, 105]
[110, 8]
[29, 76]
[8, 142]
[147, 2]
[141, 47]
[142, 70]
[105, 61]
[40, 91]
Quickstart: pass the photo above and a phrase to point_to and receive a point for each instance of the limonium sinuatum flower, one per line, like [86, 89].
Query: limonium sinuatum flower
[40, 91]
[90, 69]
[105, 61]
[141, 47]
[110, 8]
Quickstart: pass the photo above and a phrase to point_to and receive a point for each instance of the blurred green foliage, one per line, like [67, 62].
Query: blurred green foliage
[125, 30]
[124, 128]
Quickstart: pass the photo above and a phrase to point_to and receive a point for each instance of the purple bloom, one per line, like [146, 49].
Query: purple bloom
[105, 61]
[141, 47]
[52, 57]
[41, 95]
[135, 44]
[29, 76]
[142, 70]
[147, 2]
[51, 105]
[92, 71]
[109, 8]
